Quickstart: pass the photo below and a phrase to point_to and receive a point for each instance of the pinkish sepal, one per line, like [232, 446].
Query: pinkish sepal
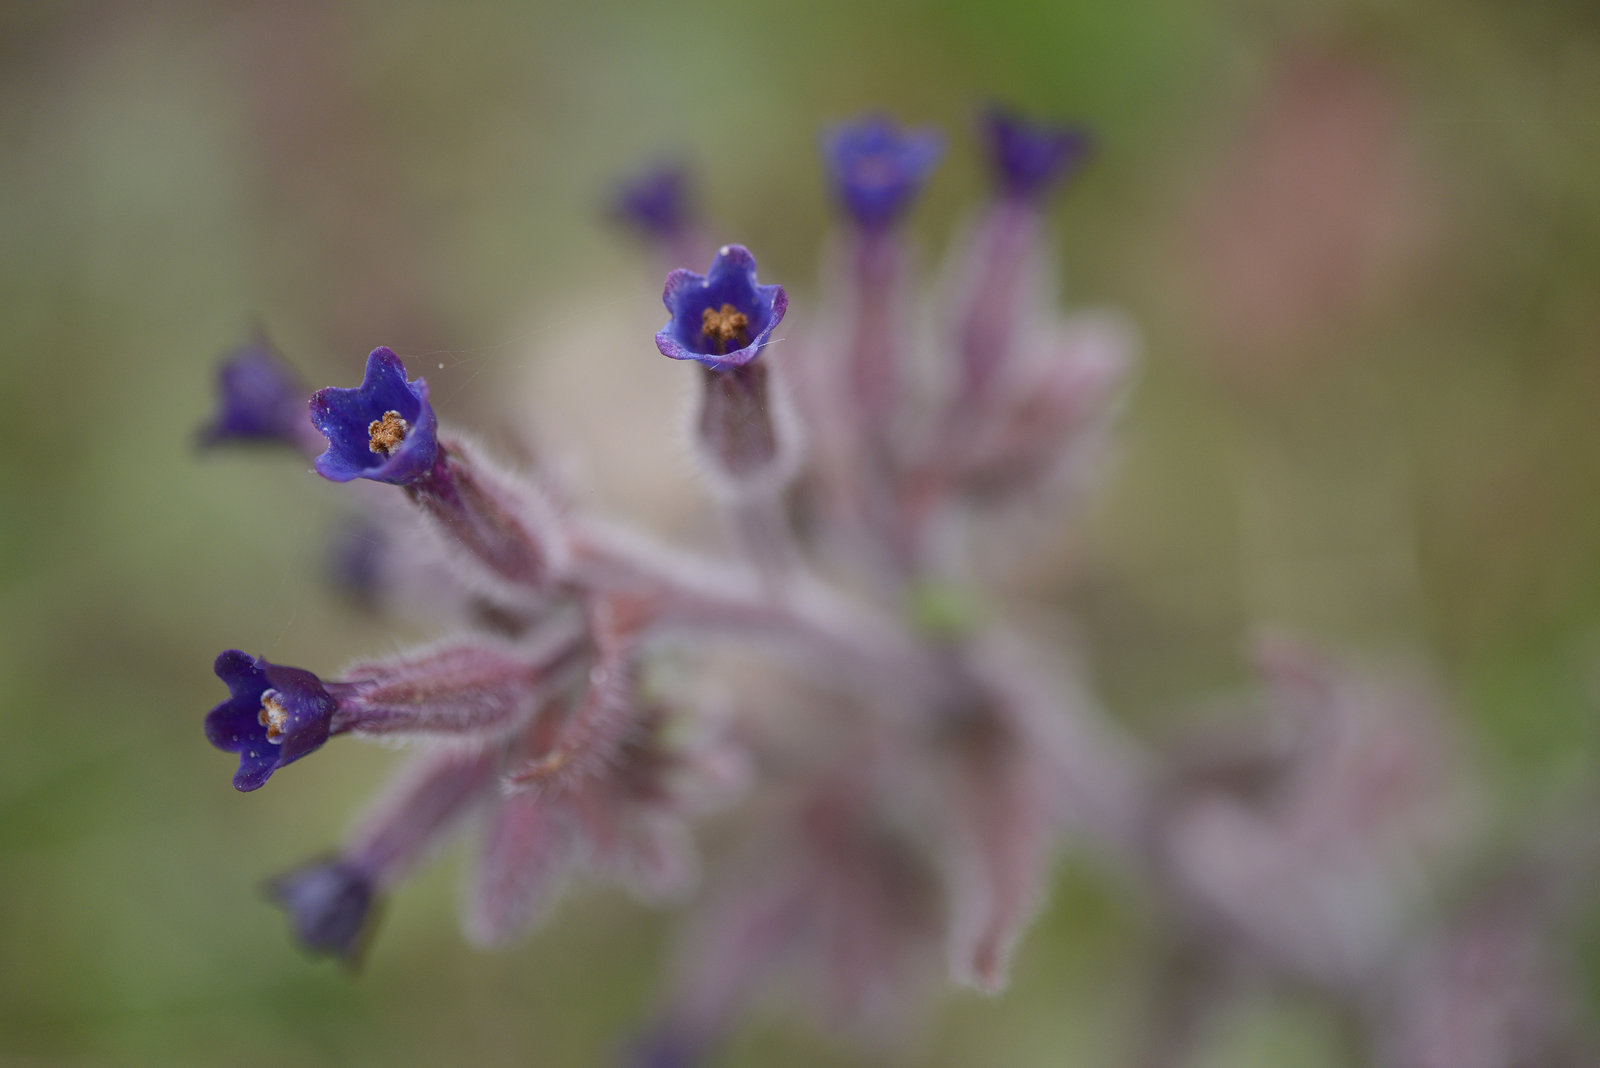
[502, 527]
[480, 687]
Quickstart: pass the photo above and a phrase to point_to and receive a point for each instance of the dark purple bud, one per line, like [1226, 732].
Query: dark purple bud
[655, 203]
[259, 399]
[1030, 159]
[722, 318]
[330, 906]
[274, 716]
[877, 169]
[383, 430]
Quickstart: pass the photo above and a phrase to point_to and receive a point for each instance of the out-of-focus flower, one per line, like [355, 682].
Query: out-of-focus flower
[877, 169]
[330, 905]
[1317, 869]
[1001, 288]
[1486, 991]
[259, 400]
[655, 202]
[723, 318]
[1030, 159]
[383, 430]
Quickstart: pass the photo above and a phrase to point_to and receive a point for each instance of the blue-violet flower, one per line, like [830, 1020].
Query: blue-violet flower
[259, 399]
[655, 202]
[274, 716]
[383, 430]
[329, 903]
[1031, 158]
[876, 169]
[723, 318]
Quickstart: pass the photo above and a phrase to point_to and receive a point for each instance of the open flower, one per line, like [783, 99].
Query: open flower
[330, 905]
[383, 430]
[876, 169]
[1032, 158]
[259, 399]
[274, 716]
[477, 688]
[722, 318]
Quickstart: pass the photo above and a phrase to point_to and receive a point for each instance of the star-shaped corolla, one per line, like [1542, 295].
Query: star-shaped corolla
[723, 318]
[383, 430]
[1032, 158]
[877, 169]
[274, 715]
[259, 399]
[655, 202]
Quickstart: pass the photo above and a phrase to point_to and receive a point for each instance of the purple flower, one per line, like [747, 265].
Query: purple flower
[329, 903]
[383, 430]
[1031, 158]
[259, 399]
[274, 716]
[655, 203]
[721, 318]
[876, 169]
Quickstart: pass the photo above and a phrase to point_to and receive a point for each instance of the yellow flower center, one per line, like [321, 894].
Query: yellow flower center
[386, 433]
[273, 716]
[725, 324]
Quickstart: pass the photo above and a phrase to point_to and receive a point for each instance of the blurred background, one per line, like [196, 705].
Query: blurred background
[1361, 242]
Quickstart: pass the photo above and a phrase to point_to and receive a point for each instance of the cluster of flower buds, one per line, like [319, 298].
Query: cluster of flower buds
[905, 772]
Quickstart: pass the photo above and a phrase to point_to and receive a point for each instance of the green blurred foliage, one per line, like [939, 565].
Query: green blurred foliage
[1418, 477]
